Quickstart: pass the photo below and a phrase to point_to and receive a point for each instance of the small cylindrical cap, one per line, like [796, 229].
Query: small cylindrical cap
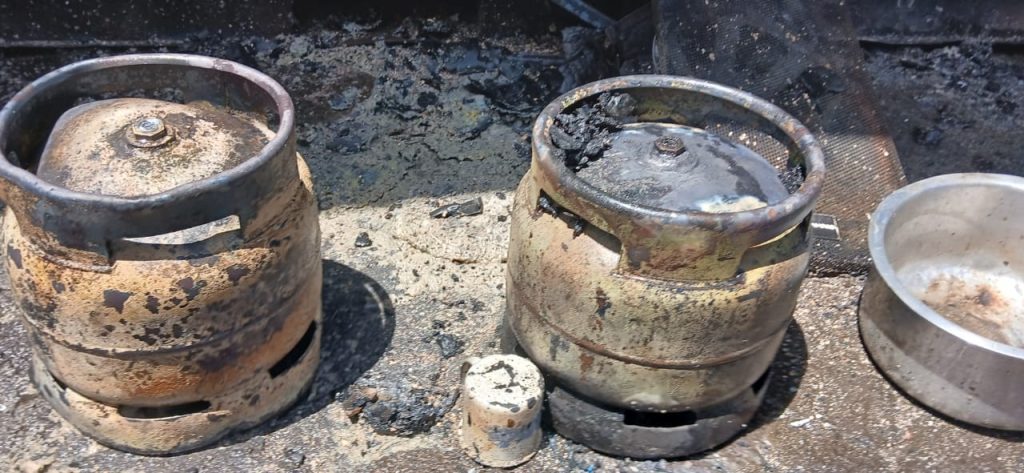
[501, 405]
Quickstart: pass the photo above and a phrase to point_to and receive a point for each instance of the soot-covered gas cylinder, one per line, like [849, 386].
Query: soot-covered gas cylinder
[655, 259]
[161, 238]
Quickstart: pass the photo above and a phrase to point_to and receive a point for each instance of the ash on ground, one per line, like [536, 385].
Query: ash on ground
[957, 108]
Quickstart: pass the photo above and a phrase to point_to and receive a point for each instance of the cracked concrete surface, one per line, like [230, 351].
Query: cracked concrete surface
[392, 129]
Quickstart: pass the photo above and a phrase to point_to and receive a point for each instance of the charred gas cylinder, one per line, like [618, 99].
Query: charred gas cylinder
[655, 259]
[162, 241]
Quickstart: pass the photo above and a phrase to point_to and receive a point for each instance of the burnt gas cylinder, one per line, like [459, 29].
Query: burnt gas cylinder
[161, 239]
[655, 259]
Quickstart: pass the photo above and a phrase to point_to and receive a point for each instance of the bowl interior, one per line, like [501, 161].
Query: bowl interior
[959, 249]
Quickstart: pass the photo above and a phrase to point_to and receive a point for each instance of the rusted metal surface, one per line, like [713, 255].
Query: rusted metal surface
[626, 433]
[172, 292]
[680, 245]
[649, 309]
[97, 147]
[70, 217]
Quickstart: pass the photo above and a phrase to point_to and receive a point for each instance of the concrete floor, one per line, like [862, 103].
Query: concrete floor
[390, 133]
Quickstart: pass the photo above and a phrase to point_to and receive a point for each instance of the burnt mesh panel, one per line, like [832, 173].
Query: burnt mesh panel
[803, 56]
[938, 21]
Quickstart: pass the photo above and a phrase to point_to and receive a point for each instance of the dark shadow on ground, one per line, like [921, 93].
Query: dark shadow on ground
[358, 324]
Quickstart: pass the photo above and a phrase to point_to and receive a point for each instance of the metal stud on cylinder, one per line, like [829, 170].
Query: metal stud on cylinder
[164, 250]
[655, 259]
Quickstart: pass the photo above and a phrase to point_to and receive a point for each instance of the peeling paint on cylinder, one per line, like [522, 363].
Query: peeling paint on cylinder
[650, 309]
[164, 321]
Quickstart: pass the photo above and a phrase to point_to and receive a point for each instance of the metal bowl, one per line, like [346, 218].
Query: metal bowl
[942, 314]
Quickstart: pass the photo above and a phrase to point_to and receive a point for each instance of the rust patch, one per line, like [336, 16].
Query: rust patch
[150, 336]
[603, 304]
[15, 255]
[237, 272]
[115, 299]
[978, 308]
[175, 302]
[585, 363]
[153, 304]
[160, 385]
[191, 287]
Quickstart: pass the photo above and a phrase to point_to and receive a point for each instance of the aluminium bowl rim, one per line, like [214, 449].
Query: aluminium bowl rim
[57, 78]
[876, 246]
[798, 203]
